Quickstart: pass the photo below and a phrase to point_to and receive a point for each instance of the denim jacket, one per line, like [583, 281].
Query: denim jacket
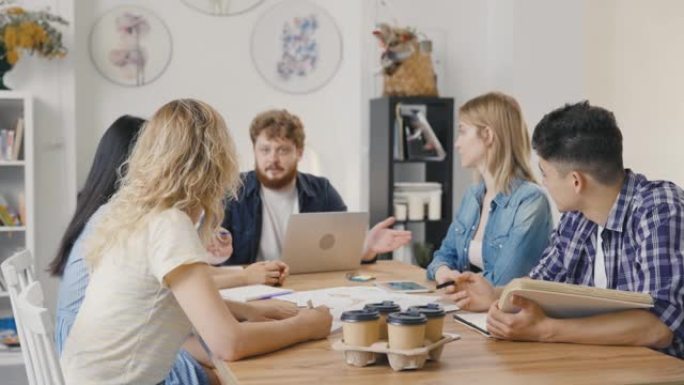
[517, 232]
[243, 216]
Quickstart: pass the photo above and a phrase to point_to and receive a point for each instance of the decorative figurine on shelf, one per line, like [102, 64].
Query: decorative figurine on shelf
[32, 32]
[406, 62]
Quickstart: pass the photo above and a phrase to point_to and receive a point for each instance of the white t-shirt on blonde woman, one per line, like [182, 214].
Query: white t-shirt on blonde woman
[130, 326]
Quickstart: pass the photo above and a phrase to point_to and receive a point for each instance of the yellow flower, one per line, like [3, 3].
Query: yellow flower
[42, 36]
[12, 56]
[15, 11]
[10, 37]
[33, 32]
[26, 32]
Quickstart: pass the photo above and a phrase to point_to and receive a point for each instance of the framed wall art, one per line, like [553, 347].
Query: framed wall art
[223, 7]
[296, 46]
[130, 46]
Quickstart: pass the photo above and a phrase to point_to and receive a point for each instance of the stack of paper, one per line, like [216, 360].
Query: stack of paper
[341, 299]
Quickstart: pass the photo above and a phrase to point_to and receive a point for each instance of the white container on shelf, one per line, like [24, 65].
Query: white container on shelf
[400, 211]
[435, 205]
[418, 195]
[416, 205]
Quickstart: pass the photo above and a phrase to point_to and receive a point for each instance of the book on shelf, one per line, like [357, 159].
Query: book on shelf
[564, 300]
[22, 209]
[18, 139]
[6, 143]
[11, 142]
[398, 145]
[7, 216]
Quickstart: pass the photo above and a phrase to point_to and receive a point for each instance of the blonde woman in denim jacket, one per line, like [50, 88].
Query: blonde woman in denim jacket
[504, 221]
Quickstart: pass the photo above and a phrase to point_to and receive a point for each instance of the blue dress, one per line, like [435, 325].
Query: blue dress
[186, 370]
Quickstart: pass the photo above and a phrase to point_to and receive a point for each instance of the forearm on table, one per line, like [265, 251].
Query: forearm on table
[227, 278]
[264, 337]
[240, 310]
[631, 327]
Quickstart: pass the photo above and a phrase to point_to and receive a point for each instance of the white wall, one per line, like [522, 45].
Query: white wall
[635, 69]
[211, 61]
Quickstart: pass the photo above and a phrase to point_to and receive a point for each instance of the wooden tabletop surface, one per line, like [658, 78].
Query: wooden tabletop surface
[474, 359]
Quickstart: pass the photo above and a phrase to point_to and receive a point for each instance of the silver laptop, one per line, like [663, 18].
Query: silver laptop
[329, 241]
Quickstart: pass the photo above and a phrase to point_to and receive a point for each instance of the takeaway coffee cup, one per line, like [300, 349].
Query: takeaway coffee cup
[360, 327]
[435, 320]
[406, 330]
[384, 308]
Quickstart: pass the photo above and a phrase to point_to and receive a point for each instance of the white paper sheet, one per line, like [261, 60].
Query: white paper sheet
[341, 299]
[252, 292]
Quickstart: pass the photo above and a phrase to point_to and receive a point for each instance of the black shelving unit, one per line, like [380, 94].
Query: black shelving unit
[385, 169]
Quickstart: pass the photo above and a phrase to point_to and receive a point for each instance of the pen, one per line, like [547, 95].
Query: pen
[273, 295]
[445, 284]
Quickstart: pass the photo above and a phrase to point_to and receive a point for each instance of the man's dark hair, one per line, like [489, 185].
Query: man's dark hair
[582, 136]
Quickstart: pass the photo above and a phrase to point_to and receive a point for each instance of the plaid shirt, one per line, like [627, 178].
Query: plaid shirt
[642, 242]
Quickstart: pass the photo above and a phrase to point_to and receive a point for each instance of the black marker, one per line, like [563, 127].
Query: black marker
[445, 284]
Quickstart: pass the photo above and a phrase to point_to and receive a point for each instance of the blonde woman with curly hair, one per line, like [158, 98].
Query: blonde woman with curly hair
[149, 284]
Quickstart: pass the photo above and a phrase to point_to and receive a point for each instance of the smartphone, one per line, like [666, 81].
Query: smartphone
[403, 286]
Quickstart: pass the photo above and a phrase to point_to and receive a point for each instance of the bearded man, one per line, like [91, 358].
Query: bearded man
[258, 218]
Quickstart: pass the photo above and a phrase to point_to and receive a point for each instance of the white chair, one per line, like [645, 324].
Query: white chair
[19, 274]
[39, 336]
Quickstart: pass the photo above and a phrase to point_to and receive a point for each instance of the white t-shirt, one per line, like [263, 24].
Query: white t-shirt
[277, 206]
[475, 253]
[600, 277]
[130, 326]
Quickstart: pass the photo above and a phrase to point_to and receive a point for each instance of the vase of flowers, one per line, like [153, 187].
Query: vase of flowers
[32, 32]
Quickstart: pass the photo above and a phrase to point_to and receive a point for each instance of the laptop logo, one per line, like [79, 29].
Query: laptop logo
[326, 242]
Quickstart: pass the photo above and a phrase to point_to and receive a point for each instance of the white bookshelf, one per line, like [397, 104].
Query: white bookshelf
[16, 177]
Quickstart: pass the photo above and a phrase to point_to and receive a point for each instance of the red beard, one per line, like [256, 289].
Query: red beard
[276, 184]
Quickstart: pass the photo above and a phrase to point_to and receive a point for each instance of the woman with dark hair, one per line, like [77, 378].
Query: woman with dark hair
[102, 182]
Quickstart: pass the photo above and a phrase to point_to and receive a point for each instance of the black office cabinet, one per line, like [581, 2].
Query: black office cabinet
[385, 169]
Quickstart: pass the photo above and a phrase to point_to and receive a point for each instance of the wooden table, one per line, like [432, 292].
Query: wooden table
[472, 360]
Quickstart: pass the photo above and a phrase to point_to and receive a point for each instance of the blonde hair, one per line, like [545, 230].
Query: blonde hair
[184, 158]
[509, 156]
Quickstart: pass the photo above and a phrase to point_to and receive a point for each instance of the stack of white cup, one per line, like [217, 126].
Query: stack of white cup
[410, 200]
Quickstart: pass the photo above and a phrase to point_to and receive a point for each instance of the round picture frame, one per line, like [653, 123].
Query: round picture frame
[222, 7]
[130, 46]
[296, 47]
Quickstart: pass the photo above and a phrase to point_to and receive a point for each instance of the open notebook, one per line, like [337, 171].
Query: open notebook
[563, 300]
[475, 321]
[560, 300]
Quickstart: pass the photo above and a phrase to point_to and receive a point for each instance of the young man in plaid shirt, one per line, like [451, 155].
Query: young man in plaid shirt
[618, 230]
